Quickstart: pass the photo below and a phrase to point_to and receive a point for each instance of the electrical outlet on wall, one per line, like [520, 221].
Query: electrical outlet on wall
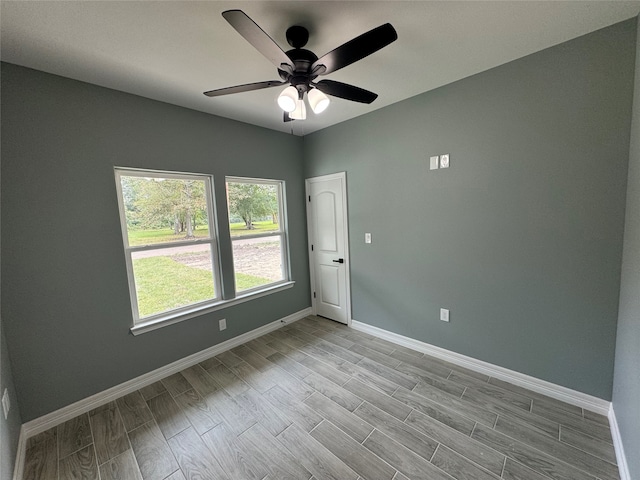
[444, 160]
[6, 403]
[223, 324]
[444, 314]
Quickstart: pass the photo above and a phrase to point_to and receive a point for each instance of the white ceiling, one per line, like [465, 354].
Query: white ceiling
[173, 51]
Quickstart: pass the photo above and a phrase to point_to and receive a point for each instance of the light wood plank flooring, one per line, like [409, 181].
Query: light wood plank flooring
[317, 400]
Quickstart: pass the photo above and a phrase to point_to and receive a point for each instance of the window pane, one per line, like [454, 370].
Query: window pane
[159, 210]
[253, 208]
[257, 262]
[171, 278]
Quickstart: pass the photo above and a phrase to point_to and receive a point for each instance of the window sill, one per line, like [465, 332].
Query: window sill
[171, 318]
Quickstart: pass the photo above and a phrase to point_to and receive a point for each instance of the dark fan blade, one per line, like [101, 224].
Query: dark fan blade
[243, 88]
[357, 49]
[346, 91]
[287, 118]
[257, 37]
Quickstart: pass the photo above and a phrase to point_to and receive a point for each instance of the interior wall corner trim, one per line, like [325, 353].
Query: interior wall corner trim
[573, 397]
[18, 469]
[623, 466]
[41, 424]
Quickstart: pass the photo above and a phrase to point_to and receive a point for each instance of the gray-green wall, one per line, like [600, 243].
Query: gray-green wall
[65, 300]
[626, 381]
[9, 428]
[522, 237]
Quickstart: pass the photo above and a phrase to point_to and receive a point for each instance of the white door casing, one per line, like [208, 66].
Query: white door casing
[327, 224]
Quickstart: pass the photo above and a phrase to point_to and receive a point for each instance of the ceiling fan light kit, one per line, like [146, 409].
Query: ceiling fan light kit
[299, 67]
[318, 100]
[300, 113]
[288, 99]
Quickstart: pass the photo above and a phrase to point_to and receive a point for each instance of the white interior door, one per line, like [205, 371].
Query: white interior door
[328, 246]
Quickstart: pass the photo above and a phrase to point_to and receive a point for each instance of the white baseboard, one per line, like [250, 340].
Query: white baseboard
[52, 419]
[623, 467]
[549, 389]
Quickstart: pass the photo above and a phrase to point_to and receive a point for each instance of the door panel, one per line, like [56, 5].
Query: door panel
[325, 224]
[326, 218]
[330, 281]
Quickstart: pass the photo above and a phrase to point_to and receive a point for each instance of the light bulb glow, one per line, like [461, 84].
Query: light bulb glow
[288, 98]
[318, 101]
[300, 112]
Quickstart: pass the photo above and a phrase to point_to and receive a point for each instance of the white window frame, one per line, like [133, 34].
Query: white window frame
[282, 232]
[188, 310]
[170, 317]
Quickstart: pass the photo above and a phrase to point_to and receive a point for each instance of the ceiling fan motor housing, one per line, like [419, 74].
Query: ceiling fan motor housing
[297, 36]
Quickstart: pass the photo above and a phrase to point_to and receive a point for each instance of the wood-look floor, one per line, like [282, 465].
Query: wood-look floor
[318, 400]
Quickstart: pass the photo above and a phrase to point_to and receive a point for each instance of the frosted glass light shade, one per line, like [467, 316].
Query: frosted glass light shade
[318, 101]
[300, 112]
[288, 98]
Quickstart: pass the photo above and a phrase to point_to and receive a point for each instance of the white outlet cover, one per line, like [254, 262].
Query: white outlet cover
[367, 238]
[444, 161]
[433, 162]
[444, 314]
[223, 324]
[6, 403]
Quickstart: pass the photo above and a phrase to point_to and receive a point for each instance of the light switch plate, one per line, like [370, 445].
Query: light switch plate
[444, 161]
[367, 238]
[433, 162]
[444, 314]
[223, 324]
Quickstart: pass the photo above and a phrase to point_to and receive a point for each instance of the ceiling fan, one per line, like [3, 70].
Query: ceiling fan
[299, 67]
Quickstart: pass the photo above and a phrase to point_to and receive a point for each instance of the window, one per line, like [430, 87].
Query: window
[257, 226]
[169, 230]
[169, 240]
